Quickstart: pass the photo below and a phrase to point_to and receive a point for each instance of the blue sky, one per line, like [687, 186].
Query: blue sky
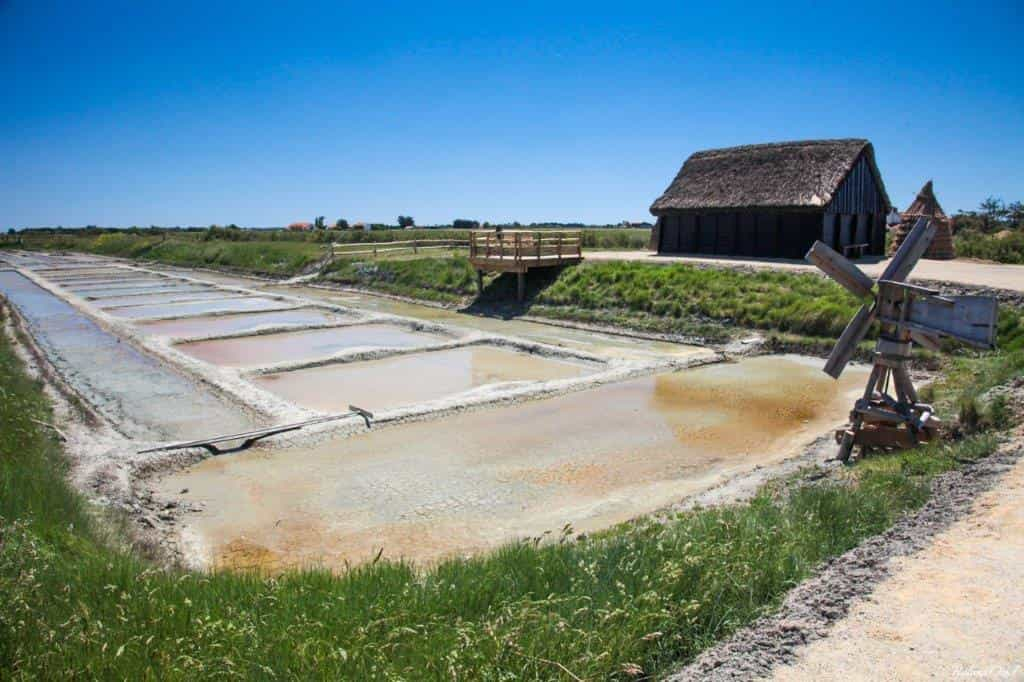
[264, 113]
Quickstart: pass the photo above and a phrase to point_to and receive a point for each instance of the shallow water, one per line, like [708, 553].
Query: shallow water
[177, 289]
[114, 286]
[213, 277]
[83, 274]
[234, 324]
[168, 297]
[608, 345]
[269, 349]
[475, 480]
[141, 396]
[230, 305]
[407, 379]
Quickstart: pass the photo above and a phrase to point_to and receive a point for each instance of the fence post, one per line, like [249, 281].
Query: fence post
[536, 237]
[559, 247]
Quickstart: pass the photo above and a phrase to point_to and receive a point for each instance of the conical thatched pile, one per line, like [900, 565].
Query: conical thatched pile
[926, 205]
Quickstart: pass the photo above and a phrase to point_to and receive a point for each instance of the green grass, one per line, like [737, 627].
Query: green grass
[448, 280]
[279, 258]
[1006, 248]
[642, 596]
[797, 303]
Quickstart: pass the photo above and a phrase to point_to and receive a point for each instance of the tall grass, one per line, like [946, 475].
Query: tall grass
[634, 600]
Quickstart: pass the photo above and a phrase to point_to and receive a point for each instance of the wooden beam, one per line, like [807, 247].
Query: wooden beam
[840, 269]
[847, 343]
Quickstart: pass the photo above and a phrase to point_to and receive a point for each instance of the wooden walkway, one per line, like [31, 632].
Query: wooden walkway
[518, 251]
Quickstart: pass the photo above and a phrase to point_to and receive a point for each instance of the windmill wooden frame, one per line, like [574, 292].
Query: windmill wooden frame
[889, 415]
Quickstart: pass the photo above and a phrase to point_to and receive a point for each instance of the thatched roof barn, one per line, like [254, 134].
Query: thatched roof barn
[926, 205]
[774, 200]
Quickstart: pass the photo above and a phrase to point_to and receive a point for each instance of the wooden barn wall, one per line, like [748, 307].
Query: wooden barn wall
[765, 234]
[858, 192]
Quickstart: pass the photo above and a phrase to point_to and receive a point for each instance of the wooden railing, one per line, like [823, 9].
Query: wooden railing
[383, 248]
[519, 245]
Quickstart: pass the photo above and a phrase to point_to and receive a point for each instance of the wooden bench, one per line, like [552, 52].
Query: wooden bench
[855, 250]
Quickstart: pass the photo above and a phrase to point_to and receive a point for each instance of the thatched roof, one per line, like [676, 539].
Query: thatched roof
[925, 203]
[802, 174]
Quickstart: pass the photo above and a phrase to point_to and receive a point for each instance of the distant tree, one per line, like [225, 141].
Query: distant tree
[341, 224]
[1015, 213]
[10, 231]
[992, 212]
[464, 224]
[406, 221]
[318, 222]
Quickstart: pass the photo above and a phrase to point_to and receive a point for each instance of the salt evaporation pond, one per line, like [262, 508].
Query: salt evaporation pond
[407, 379]
[475, 480]
[142, 397]
[168, 297]
[270, 349]
[219, 325]
[232, 305]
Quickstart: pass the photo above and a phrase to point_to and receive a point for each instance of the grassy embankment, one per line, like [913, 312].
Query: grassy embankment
[636, 599]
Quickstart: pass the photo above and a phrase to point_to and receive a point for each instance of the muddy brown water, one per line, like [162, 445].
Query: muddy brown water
[269, 349]
[475, 480]
[231, 305]
[404, 380]
[244, 322]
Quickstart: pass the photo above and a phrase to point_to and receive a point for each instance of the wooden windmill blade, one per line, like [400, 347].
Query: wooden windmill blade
[910, 251]
[968, 319]
[854, 333]
[836, 266]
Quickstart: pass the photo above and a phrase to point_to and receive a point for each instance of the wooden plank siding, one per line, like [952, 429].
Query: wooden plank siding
[687, 242]
[747, 241]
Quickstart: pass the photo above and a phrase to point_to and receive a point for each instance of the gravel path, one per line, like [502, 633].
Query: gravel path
[952, 611]
[812, 609]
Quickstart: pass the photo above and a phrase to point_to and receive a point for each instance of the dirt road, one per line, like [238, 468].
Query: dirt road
[960, 270]
[952, 611]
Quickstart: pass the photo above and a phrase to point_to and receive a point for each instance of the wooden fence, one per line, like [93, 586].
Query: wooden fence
[375, 249]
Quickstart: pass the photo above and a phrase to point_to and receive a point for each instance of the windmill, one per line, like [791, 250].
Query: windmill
[906, 314]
